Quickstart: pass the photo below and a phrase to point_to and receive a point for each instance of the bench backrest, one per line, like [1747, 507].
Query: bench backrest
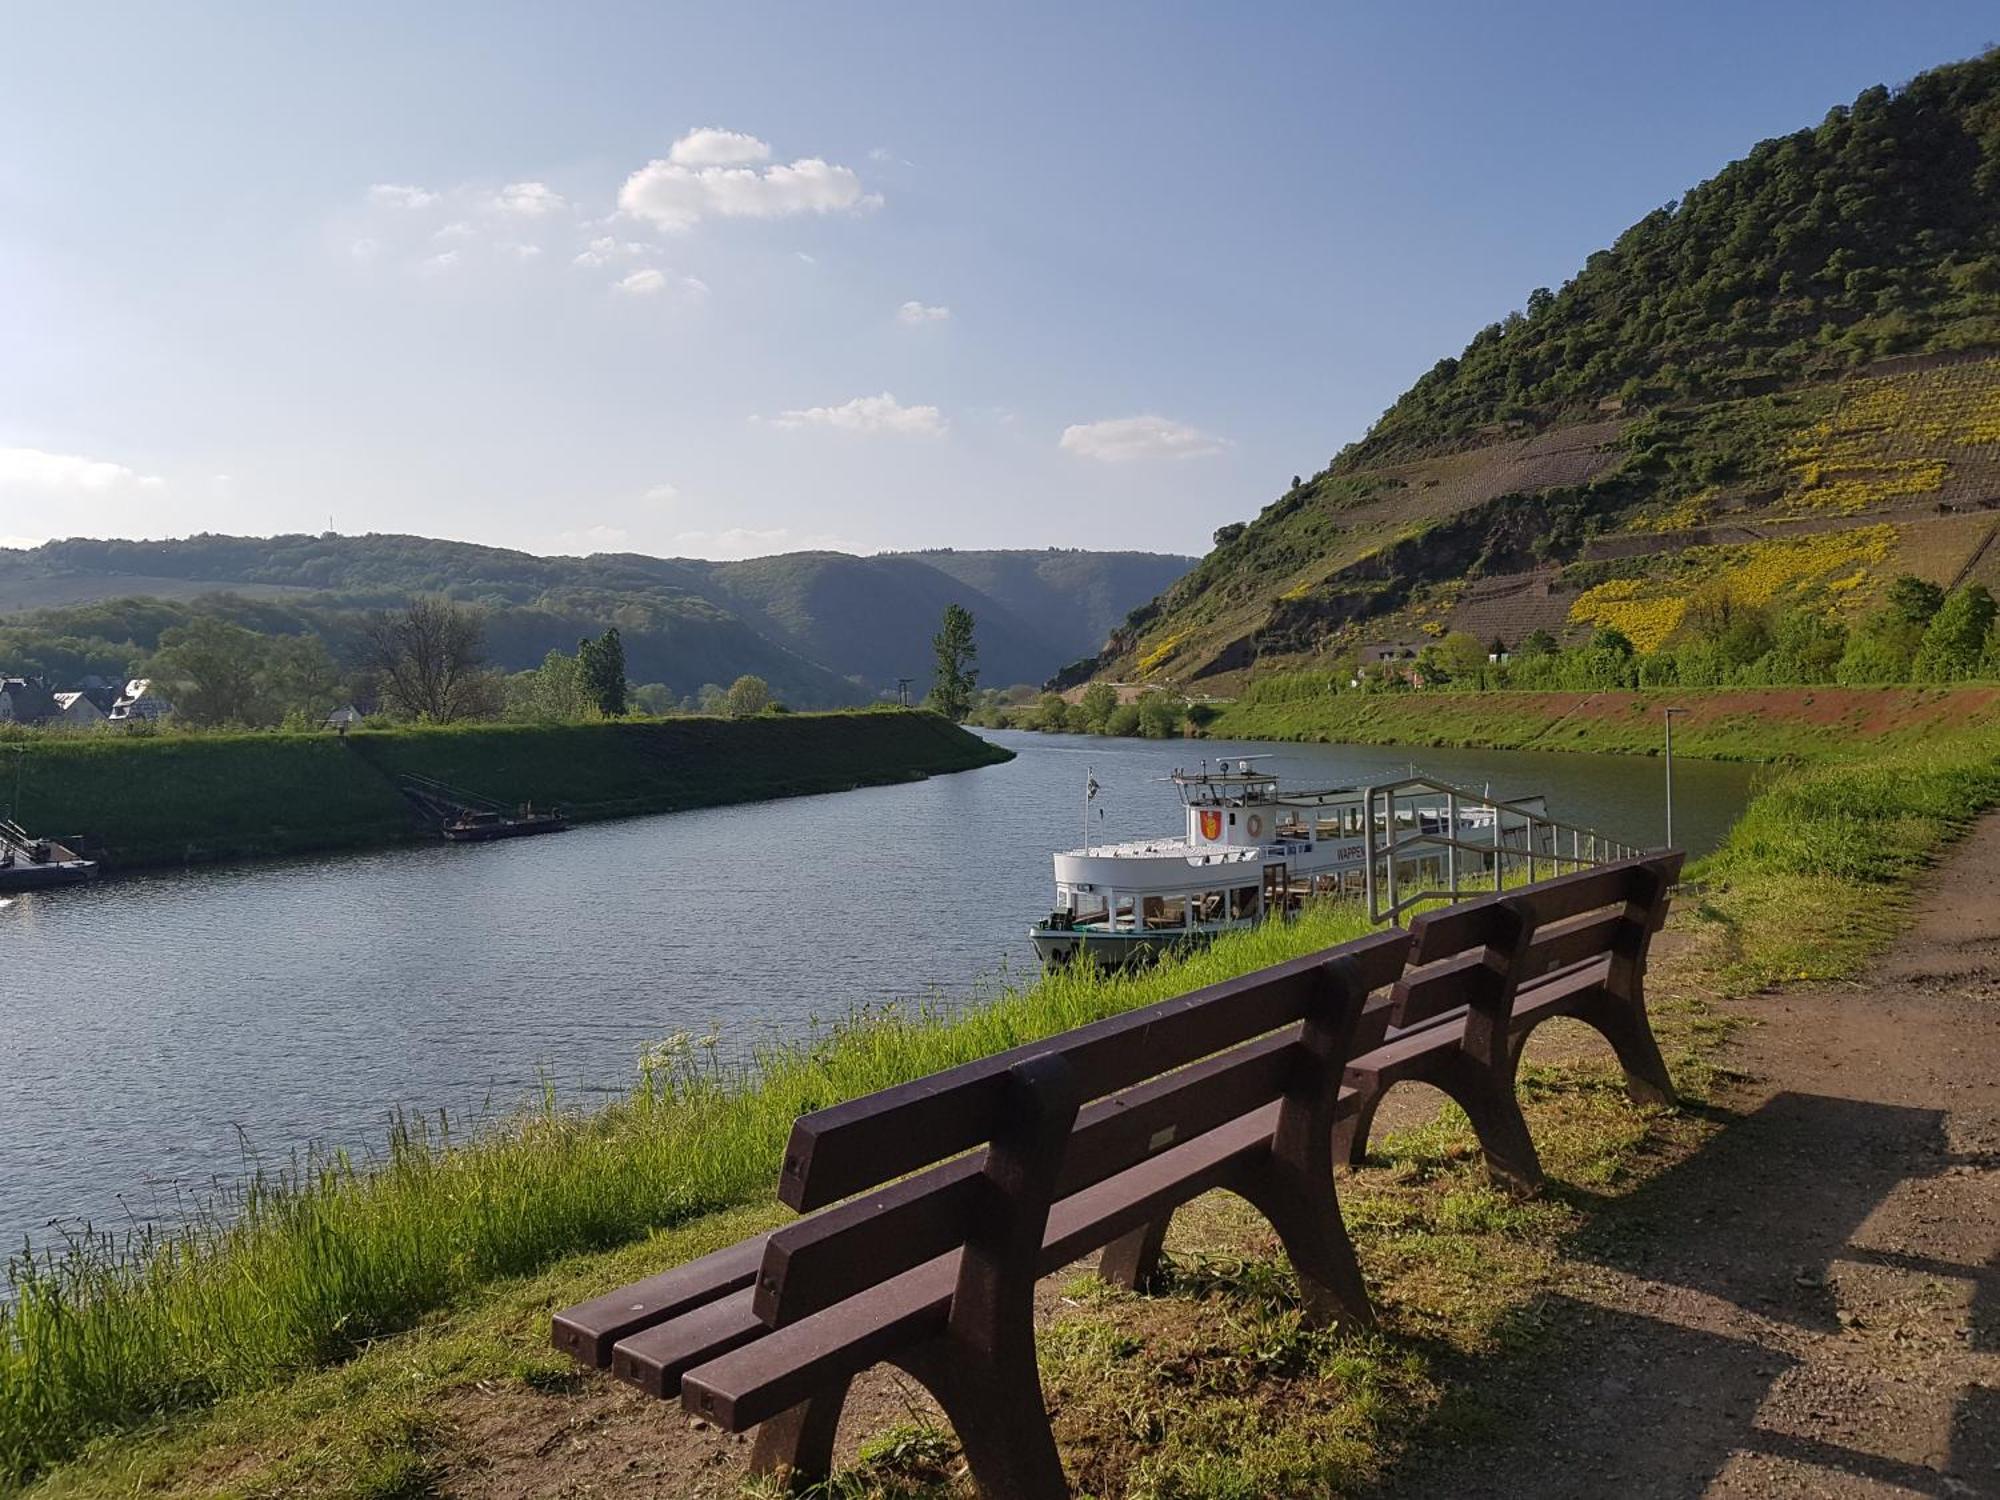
[1067, 1112]
[1479, 953]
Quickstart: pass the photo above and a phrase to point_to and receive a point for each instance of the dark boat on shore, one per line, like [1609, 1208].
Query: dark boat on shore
[28, 863]
[463, 817]
[481, 825]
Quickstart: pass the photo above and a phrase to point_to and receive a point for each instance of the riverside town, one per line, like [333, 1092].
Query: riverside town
[1277, 779]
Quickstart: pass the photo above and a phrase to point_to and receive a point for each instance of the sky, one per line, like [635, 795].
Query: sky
[730, 280]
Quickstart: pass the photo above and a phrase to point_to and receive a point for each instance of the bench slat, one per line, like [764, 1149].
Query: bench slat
[754, 1382]
[847, 1148]
[1478, 976]
[811, 1265]
[1574, 940]
[656, 1358]
[590, 1329]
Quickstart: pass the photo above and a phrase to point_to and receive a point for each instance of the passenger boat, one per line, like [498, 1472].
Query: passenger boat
[28, 863]
[1252, 849]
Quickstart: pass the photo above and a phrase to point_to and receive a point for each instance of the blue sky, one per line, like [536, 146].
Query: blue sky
[727, 280]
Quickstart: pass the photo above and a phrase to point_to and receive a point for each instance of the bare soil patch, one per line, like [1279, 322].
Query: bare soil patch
[1811, 1304]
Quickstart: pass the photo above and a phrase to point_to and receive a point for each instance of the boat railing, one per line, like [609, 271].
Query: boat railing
[1523, 836]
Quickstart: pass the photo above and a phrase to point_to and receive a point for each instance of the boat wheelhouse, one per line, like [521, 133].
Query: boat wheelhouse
[1251, 849]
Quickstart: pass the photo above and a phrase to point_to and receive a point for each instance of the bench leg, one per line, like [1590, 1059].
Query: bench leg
[1487, 1097]
[1624, 1025]
[797, 1445]
[1133, 1259]
[993, 1398]
[1306, 1215]
[1350, 1130]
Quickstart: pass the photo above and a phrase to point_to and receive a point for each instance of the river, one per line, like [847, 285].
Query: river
[168, 1030]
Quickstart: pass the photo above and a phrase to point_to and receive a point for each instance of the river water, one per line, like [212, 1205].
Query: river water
[162, 1032]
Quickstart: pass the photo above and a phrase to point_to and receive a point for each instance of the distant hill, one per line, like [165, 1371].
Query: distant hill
[1780, 387]
[822, 628]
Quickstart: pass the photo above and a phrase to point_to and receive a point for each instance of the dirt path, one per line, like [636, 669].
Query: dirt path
[1811, 1305]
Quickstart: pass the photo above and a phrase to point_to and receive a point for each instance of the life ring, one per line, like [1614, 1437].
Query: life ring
[1256, 826]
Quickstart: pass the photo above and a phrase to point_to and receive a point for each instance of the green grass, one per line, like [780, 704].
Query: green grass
[299, 1273]
[1743, 724]
[304, 1347]
[163, 798]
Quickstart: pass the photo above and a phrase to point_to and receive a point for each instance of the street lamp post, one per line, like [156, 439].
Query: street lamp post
[1668, 715]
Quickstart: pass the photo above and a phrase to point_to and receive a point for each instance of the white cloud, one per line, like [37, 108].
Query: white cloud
[646, 283]
[402, 195]
[531, 200]
[870, 414]
[443, 262]
[696, 285]
[1124, 439]
[710, 147]
[673, 194]
[526, 252]
[607, 248]
[916, 313]
[458, 230]
[662, 494]
[747, 541]
[68, 473]
[365, 249]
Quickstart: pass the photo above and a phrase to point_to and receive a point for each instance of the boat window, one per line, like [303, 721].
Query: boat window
[1165, 912]
[1210, 906]
[1087, 908]
[1243, 902]
[1122, 907]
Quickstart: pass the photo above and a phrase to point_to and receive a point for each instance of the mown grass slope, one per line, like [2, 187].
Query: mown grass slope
[157, 799]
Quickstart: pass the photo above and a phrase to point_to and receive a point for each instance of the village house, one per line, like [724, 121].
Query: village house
[77, 710]
[25, 700]
[140, 702]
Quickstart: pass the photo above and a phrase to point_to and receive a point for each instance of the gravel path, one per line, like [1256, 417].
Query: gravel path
[1810, 1305]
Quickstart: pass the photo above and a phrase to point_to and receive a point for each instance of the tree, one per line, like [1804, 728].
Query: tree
[304, 679]
[553, 693]
[713, 698]
[1159, 716]
[1913, 599]
[1463, 656]
[602, 665]
[429, 657]
[1954, 645]
[1052, 713]
[1535, 643]
[1124, 721]
[1097, 704]
[215, 672]
[956, 676]
[747, 695]
[654, 698]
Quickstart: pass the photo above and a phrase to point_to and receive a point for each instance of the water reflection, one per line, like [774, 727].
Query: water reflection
[162, 1029]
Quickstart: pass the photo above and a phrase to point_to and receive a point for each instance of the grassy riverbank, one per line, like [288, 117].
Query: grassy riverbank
[162, 799]
[1754, 724]
[264, 1358]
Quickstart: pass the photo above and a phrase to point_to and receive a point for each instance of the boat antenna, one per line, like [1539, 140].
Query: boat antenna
[1089, 794]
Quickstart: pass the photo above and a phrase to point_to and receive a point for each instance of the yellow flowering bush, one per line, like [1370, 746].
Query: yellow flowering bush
[1893, 437]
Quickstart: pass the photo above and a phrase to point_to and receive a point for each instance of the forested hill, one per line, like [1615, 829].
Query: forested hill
[823, 628]
[1777, 384]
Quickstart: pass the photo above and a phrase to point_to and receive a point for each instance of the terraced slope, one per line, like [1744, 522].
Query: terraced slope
[1782, 386]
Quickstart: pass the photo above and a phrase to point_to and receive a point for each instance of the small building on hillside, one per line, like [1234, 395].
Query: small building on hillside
[76, 709]
[343, 718]
[140, 702]
[102, 691]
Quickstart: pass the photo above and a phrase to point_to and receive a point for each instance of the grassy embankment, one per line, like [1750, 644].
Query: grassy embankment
[1751, 724]
[256, 1359]
[161, 799]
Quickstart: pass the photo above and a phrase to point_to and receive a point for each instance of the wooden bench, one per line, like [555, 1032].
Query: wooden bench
[951, 1195]
[1483, 974]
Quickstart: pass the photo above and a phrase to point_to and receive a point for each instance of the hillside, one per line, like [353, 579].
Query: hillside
[823, 628]
[1779, 390]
